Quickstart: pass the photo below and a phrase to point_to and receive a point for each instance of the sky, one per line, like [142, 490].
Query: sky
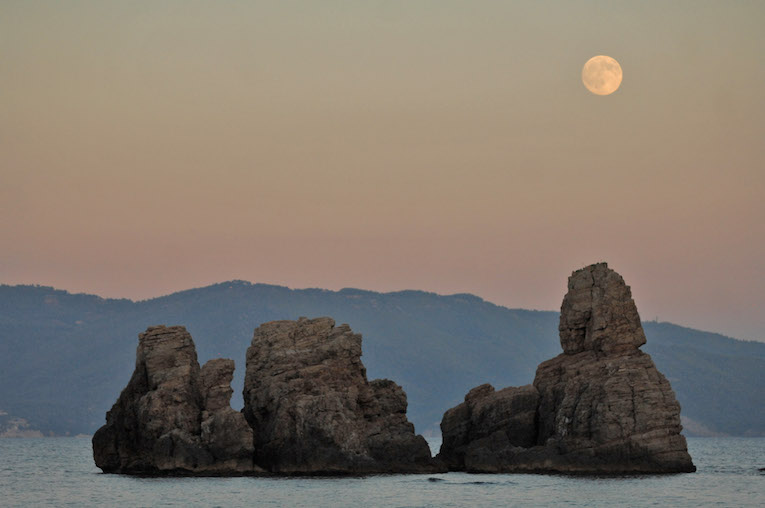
[153, 146]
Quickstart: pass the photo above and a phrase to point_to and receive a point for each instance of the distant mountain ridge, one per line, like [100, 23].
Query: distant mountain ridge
[65, 357]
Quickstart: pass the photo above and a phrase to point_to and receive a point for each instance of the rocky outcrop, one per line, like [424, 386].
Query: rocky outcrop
[600, 407]
[225, 432]
[173, 417]
[487, 416]
[306, 393]
[309, 409]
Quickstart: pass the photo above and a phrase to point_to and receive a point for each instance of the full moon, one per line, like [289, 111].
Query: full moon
[602, 75]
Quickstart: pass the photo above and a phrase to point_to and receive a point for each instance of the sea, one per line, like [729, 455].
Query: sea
[61, 472]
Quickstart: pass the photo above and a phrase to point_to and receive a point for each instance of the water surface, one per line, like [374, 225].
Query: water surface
[60, 472]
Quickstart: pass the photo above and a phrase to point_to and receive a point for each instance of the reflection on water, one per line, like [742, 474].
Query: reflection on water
[60, 472]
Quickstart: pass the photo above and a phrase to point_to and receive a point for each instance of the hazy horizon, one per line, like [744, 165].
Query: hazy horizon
[150, 147]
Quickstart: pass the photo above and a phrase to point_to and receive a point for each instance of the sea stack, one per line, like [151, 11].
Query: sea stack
[173, 417]
[600, 407]
[308, 405]
[307, 396]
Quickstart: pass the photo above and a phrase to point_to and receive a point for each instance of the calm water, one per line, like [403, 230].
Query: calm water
[60, 472]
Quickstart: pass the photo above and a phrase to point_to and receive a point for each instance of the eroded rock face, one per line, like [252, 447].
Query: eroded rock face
[307, 395]
[598, 313]
[173, 417]
[225, 432]
[602, 406]
[471, 430]
[309, 408]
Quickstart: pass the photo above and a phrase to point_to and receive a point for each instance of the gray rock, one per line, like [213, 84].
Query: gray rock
[309, 408]
[306, 393]
[173, 417]
[598, 313]
[225, 432]
[602, 406]
[471, 430]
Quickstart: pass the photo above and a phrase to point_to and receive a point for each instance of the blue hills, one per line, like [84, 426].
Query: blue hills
[65, 357]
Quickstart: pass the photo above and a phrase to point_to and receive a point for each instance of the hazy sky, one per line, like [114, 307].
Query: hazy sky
[153, 146]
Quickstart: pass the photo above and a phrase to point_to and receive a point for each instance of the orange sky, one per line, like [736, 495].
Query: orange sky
[148, 147]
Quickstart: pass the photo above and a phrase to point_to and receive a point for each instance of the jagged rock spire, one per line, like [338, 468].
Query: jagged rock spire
[598, 313]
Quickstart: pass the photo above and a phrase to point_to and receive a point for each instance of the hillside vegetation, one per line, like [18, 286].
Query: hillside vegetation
[65, 357]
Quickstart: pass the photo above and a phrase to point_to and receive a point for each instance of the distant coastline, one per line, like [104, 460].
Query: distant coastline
[437, 346]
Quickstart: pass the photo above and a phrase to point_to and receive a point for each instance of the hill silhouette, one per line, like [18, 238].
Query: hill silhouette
[65, 357]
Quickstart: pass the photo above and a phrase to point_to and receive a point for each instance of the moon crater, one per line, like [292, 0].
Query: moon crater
[602, 75]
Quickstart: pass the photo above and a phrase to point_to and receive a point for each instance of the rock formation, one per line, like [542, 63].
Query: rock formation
[488, 416]
[173, 417]
[307, 396]
[600, 407]
[309, 409]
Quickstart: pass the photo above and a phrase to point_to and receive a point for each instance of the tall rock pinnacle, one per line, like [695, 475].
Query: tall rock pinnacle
[173, 417]
[599, 407]
[598, 313]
